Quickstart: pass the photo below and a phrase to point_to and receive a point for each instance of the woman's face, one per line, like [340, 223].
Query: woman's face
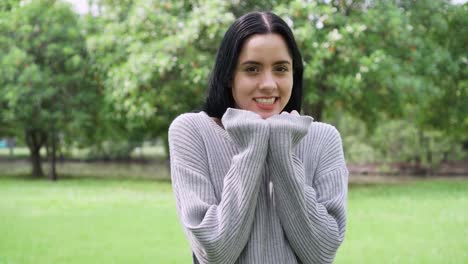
[263, 78]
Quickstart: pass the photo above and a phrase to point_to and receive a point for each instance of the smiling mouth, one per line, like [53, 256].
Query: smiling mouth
[266, 100]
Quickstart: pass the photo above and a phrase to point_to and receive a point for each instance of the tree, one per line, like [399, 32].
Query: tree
[440, 64]
[354, 54]
[155, 58]
[8, 5]
[362, 57]
[439, 70]
[384, 60]
[43, 76]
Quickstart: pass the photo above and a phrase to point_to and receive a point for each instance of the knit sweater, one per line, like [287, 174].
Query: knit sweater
[260, 190]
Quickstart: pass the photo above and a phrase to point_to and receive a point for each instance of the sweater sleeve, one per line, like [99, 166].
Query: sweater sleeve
[313, 216]
[218, 230]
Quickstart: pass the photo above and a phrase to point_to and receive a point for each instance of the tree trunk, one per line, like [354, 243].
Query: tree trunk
[35, 140]
[429, 157]
[52, 153]
[36, 163]
[424, 141]
[316, 110]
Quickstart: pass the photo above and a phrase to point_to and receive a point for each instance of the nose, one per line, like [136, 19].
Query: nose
[267, 82]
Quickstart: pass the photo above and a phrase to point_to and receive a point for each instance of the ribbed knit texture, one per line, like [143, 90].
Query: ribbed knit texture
[259, 191]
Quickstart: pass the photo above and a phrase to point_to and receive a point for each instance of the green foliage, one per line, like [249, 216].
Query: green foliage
[441, 32]
[408, 144]
[396, 141]
[354, 55]
[112, 150]
[124, 72]
[155, 59]
[367, 59]
[44, 72]
[381, 61]
[7, 5]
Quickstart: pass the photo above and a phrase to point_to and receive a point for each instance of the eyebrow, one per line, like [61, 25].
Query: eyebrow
[258, 63]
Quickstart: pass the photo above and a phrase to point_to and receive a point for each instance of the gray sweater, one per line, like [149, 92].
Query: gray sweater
[259, 191]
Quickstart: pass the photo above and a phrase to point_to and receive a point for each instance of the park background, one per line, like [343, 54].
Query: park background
[88, 90]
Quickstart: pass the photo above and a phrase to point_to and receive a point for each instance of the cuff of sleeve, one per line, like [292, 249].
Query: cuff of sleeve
[286, 127]
[245, 126]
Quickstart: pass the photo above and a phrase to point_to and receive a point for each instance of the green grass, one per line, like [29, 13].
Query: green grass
[89, 221]
[421, 222]
[123, 221]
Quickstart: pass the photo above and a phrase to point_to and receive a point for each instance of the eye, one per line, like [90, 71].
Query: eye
[252, 69]
[282, 68]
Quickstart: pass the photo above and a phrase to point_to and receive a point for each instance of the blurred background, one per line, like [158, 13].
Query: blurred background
[88, 89]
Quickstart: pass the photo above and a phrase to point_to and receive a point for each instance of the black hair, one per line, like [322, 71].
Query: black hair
[219, 96]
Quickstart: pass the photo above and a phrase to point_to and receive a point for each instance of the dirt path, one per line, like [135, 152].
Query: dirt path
[391, 179]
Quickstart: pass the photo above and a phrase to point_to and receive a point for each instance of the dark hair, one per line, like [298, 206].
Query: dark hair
[219, 96]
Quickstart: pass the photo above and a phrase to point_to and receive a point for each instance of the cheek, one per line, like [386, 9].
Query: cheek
[242, 87]
[287, 85]
[235, 96]
[239, 92]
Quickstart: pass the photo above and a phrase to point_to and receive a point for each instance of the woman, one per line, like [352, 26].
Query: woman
[254, 181]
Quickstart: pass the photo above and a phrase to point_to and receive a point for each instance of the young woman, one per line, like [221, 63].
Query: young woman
[254, 181]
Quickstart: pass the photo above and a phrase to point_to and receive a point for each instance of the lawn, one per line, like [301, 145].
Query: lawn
[134, 221]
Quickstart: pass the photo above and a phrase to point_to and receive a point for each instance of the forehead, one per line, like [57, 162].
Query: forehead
[265, 47]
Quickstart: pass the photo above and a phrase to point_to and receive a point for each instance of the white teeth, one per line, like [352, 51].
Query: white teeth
[265, 100]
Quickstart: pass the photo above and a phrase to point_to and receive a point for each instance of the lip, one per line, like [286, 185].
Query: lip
[267, 107]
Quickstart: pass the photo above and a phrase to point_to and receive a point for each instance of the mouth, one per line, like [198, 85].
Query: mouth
[265, 100]
[266, 103]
